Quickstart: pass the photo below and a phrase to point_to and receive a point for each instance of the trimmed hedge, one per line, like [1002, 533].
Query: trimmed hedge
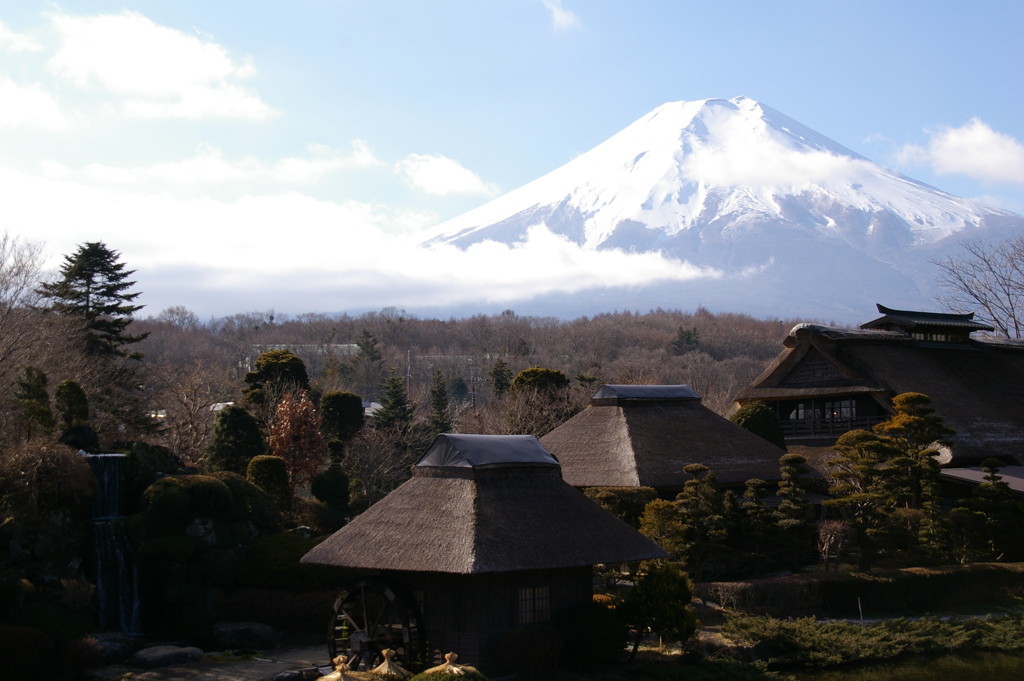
[270, 474]
[909, 591]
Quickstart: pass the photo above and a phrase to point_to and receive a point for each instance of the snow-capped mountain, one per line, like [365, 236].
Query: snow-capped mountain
[809, 226]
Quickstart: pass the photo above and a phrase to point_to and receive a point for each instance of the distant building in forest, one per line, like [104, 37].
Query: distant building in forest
[830, 380]
[643, 436]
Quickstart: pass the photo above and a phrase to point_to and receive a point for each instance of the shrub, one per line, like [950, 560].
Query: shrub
[594, 635]
[144, 465]
[531, 652]
[170, 504]
[625, 503]
[332, 488]
[270, 474]
[272, 562]
[251, 503]
[27, 653]
[235, 440]
[314, 515]
[289, 610]
[539, 379]
[165, 507]
[760, 420]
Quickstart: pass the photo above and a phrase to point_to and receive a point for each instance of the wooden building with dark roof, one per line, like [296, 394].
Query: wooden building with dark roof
[828, 380]
[643, 436]
[484, 538]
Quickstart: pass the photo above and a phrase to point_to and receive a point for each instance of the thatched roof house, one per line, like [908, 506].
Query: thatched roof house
[489, 538]
[643, 435]
[829, 380]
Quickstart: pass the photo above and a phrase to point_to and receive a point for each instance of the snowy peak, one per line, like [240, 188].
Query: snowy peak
[721, 169]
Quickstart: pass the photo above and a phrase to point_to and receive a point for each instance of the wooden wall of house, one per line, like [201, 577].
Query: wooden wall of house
[472, 614]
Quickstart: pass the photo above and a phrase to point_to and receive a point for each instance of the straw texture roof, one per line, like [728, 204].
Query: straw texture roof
[648, 434]
[499, 516]
[977, 385]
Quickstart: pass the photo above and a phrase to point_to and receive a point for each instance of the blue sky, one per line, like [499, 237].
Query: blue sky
[246, 155]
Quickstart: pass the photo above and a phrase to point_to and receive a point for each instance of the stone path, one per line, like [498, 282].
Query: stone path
[220, 667]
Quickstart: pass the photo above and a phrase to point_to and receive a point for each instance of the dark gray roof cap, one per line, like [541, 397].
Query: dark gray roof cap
[469, 451]
[611, 393]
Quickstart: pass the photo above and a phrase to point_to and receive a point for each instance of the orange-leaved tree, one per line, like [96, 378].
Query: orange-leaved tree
[295, 437]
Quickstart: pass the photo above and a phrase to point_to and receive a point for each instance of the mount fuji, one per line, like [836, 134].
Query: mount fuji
[788, 222]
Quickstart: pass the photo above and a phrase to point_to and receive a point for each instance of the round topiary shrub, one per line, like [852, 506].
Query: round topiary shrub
[270, 474]
[170, 504]
[165, 507]
[761, 420]
[251, 504]
[314, 515]
[332, 488]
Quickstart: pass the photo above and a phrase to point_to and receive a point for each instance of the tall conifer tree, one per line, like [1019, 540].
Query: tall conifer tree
[94, 286]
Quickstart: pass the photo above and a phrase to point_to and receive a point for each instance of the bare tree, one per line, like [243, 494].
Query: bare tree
[989, 276]
[20, 264]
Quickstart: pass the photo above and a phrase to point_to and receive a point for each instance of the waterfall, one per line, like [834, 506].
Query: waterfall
[115, 567]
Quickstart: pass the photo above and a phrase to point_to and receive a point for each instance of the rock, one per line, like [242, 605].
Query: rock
[112, 648]
[164, 656]
[202, 528]
[246, 635]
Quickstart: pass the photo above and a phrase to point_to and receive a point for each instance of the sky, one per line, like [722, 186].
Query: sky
[271, 154]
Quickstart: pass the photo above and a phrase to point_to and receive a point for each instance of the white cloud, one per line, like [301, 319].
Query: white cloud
[441, 176]
[561, 18]
[209, 167]
[161, 71]
[30, 107]
[300, 253]
[765, 161]
[17, 42]
[974, 149]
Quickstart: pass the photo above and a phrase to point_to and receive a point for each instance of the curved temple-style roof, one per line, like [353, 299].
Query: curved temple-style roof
[912, 319]
[470, 451]
[491, 504]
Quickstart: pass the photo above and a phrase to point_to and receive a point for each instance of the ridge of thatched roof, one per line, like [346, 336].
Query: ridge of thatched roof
[648, 442]
[498, 516]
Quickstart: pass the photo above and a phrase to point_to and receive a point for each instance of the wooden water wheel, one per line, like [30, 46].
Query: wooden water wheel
[371, 615]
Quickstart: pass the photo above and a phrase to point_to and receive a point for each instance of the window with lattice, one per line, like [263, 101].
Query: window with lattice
[534, 605]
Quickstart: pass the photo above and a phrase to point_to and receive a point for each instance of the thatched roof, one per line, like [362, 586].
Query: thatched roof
[976, 385]
[483, 503]
[644, 436]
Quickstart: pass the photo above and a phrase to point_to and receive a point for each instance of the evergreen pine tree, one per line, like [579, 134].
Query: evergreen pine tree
[235, 440]
[501, 378]
[342, 416]
[686, 340]
[707, 515]
[94, 286]
[793, 515]
[34, 402]
[912, 431]
[71, 403]
[395, 410]
[440, 405]
[275, 373]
